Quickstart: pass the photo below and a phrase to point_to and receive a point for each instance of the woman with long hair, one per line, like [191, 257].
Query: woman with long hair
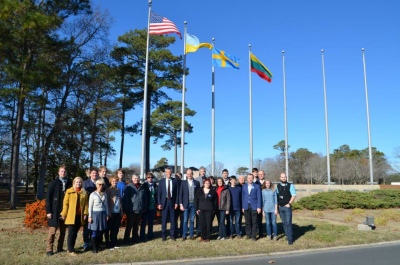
[75, 211]
[270, 208]
[224, 204]
[98, 214]
[205, 205]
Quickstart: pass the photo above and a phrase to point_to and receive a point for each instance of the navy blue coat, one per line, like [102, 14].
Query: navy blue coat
[162, 192]
[255, 197]
[184, 192]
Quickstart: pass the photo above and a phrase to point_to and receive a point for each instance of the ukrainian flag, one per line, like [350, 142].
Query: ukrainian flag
[222, 59]
[193, 43]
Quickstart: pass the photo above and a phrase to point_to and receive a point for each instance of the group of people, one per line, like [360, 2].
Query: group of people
[98, 204]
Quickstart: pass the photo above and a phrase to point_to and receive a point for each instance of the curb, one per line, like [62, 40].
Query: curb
[255, 256]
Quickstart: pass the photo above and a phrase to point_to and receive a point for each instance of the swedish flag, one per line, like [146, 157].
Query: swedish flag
[222, 59]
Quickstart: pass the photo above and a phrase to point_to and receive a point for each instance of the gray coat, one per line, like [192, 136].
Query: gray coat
[136, 200]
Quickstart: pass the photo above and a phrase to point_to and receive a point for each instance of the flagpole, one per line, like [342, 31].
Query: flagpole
[328, 163]
[251, 113]
[213, 119]
[286, 130]
[371, 173]
[142, 166]
[183, 103]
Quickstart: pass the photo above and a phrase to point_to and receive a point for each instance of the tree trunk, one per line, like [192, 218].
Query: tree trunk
[92, 146]
[121, 154]
[16, 147]
[46, 143]
[27, 164]
[12, 144]
[108, 148]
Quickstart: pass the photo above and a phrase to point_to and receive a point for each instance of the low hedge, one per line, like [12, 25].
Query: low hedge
[352, 199]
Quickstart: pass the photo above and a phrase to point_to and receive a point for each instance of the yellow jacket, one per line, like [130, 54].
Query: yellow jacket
[69, 206]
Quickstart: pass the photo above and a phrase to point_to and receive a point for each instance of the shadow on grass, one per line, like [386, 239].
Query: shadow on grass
[298, 231]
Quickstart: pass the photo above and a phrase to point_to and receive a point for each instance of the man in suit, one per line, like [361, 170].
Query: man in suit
[251, 206]
[187, 191]
[167, 203]
[260, 181]
[202, 176]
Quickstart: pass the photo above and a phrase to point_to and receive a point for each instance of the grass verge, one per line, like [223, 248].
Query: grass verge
[25, 246]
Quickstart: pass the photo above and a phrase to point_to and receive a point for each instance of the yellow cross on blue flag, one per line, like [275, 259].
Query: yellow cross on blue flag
[222, 59]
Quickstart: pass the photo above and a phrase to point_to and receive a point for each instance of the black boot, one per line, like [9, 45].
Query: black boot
[95, 248]
[99, 239]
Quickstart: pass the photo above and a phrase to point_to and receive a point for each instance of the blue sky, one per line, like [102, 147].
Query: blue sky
[302, 29]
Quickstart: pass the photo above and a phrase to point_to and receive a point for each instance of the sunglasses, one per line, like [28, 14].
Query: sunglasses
[100, 184]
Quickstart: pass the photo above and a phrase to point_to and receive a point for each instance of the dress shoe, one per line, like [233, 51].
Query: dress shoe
[50, 253]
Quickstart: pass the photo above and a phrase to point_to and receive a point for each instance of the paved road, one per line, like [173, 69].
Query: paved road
[388, 254]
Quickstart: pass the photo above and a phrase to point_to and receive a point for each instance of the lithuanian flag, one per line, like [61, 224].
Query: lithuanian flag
[260, 69]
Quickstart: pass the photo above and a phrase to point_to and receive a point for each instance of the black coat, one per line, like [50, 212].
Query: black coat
[209, 203]
[54, 200]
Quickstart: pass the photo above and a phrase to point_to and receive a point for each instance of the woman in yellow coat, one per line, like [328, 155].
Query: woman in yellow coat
[75, 211]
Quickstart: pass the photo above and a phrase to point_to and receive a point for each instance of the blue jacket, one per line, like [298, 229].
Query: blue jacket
[236, 198]
[270, 199]
[254, 198]
[184, 192]
[89, 186]
[162, 192]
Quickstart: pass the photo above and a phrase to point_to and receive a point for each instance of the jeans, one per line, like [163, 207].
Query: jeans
[270, 219]
[286, 216]
[188, 212]
[221, 225]
[235, 214]
[147, 219]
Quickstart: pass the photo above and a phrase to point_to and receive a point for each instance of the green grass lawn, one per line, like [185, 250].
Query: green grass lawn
[312, 229]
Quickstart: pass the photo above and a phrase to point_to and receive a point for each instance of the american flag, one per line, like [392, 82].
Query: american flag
[161, 25]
